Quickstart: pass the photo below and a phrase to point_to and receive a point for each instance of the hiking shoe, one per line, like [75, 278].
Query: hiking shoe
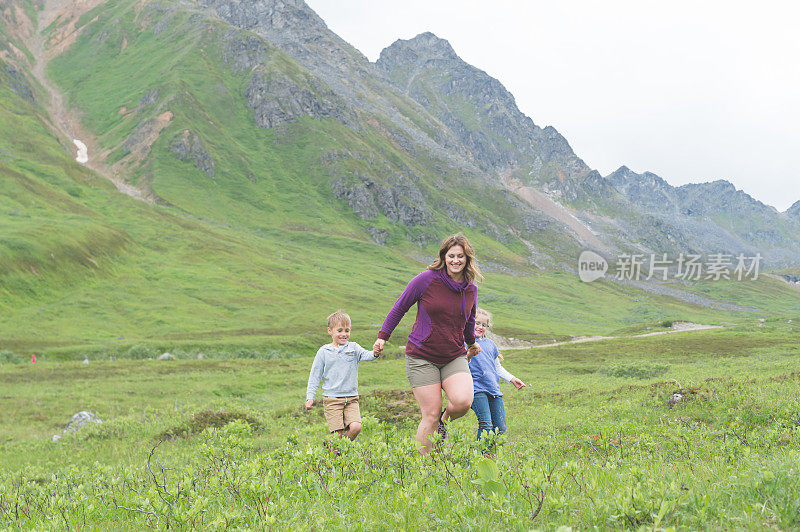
[442, 428]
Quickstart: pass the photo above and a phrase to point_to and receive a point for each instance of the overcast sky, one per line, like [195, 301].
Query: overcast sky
[690, 90]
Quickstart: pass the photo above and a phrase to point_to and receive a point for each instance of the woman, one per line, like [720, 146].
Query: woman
[486, 371]
[436, 359]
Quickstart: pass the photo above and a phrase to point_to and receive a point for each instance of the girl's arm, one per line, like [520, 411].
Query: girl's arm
[502, 372]
[505, 374]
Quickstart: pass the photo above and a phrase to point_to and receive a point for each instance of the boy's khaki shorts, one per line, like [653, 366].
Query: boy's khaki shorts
[421, 372]
[340, 412]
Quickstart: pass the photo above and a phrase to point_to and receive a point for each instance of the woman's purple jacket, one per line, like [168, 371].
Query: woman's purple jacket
[445, 316]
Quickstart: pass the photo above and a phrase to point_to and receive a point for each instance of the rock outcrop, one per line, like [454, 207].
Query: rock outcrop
[80, 420]
[277, 99]
[18, 83]
[243, 51]
[399, 199]
[647, 190]
[189, 146]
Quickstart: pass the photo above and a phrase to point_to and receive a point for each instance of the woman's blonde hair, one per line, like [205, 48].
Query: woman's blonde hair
[471, 270]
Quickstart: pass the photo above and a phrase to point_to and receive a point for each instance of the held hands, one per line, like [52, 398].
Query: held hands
[473, 350]
[518, 384]
[309, 404]
[377, 347]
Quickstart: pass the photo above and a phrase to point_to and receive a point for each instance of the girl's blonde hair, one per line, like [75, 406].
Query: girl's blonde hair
[471, 270]
[486, 313]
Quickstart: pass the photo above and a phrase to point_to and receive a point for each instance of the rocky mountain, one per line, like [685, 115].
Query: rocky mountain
[646, 190]
[295, 29]
[240, 151]
[476, 107]
[283, 119]
[624, 210]
[486, 119]
[794, 210]
[720, 217]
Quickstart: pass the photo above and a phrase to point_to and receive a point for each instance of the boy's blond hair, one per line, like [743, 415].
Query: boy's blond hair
[338, 317]
[486, 313]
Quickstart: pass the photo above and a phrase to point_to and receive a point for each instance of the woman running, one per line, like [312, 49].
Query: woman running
[436, 359]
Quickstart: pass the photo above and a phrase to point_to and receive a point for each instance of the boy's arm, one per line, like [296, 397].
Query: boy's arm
[364, 355]
[317, 369]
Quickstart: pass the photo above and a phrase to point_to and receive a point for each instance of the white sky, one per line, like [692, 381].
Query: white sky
[691, 90]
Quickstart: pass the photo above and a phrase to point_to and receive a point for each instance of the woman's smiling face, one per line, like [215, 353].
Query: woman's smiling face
[456, 260]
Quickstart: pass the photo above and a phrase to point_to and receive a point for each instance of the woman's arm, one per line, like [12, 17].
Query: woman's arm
[469, 327]
[412, 293]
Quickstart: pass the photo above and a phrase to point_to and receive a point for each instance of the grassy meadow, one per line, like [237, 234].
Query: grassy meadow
[592, 443]
[243, 267]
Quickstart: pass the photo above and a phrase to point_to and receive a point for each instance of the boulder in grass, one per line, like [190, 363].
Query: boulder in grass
[675, 398]
[80, 420]
[166, 356]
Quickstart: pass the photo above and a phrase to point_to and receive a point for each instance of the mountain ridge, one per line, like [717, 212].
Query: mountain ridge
[267, 170]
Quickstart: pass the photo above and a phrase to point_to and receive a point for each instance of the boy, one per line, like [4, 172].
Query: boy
[336, 364]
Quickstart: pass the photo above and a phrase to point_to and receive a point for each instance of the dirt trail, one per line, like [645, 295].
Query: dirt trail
[677, 328]
[66, 121]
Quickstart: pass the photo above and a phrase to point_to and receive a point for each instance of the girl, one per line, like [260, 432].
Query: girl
[485, 368]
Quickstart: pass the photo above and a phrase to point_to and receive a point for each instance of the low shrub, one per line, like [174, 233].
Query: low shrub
[637, 369]
[141, 351]
[9, 357]
[205, 419]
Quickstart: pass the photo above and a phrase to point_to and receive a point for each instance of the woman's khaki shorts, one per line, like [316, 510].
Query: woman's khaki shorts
[340, 412]
[423, 372]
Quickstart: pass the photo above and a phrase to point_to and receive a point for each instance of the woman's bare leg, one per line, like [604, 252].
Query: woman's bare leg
[429, 399]
[460, 393]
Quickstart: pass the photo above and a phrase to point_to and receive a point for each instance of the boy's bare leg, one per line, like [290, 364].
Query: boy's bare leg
[352, 430]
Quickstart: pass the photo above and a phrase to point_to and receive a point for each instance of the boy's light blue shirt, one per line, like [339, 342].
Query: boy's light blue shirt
[338, 369]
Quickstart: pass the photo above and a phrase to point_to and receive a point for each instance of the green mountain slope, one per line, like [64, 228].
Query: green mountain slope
[276, 200]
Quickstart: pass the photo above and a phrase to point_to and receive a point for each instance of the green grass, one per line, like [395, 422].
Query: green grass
[243, 268]
[598, 448]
